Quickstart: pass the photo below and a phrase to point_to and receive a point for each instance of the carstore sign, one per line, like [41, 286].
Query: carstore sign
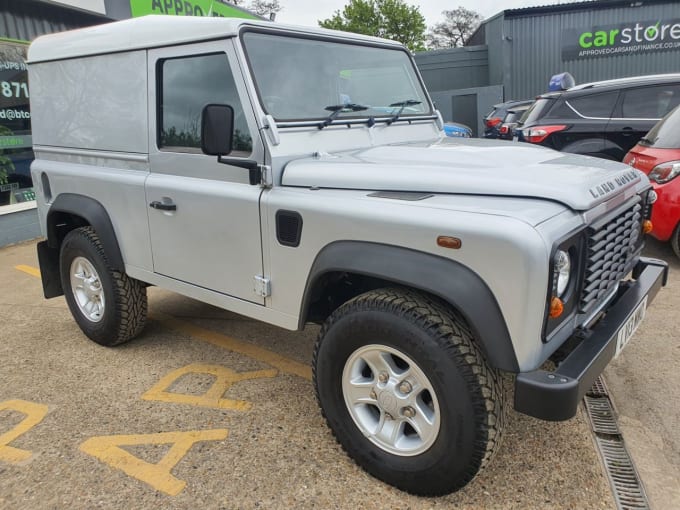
[621, 39]
[187, 8]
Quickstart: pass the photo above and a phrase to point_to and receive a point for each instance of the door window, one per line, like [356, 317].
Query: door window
[650, 102]
[187, 84]
[596, 105]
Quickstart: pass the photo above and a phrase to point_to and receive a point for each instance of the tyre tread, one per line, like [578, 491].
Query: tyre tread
[454, 336]
[131, 304]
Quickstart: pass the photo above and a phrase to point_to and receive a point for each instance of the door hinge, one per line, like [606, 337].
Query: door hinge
[262, 286]
[266, 179]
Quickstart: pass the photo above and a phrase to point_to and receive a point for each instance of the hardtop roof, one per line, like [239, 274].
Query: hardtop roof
[156, 31]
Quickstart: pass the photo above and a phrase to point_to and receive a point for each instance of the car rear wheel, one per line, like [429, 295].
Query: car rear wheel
[407, 392]
[109, 306]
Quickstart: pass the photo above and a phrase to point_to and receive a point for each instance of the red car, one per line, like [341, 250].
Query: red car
[658, 155]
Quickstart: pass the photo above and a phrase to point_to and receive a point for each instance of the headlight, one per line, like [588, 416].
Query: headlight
[562, 272]
[665, 172]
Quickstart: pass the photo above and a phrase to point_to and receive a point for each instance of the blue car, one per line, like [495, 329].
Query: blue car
[457, 130]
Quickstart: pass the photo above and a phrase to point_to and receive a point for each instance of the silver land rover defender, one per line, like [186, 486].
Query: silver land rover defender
[299, 175]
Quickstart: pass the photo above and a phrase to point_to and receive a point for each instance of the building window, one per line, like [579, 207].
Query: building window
[16, 152]
[187, 85]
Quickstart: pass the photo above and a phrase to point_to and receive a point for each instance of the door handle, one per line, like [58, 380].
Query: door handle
[627, 131]
[163, 206]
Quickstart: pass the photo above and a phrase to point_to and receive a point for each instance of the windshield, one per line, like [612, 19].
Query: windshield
[304, 79]
[536, 110]
[666, 133]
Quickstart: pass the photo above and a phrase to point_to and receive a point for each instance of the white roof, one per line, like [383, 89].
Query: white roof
[155, 31]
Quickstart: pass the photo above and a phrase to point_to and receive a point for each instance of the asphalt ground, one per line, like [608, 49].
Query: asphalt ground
[211, 409]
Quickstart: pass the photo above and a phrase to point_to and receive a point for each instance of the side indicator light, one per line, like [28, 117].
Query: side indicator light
[449, 242]
[647, 226]
[556, 307]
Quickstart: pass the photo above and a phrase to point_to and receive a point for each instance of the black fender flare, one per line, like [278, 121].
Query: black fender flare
[451, 281]
[94, 214]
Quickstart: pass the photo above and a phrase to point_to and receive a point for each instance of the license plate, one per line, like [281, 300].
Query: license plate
[630, 327]
[515, 138]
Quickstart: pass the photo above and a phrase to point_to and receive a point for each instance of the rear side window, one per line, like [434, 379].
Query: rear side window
[186, 85]
[650, 102]
[595, 105]
[666, 133]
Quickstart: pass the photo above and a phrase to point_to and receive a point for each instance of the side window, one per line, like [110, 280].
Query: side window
[595, 105]
[650, 102]
[186, 85]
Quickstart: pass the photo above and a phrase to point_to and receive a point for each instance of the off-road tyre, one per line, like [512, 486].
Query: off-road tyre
[469, 392]
[125, 309]
[675, 240]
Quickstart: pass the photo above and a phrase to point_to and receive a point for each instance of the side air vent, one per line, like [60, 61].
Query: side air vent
[288, 228]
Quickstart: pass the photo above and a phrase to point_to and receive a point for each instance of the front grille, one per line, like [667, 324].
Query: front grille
[611, 249]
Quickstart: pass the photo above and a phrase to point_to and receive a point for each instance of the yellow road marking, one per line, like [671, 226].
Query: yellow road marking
[224, 379]
[34, 415]
[284, 364]
[33, 271]
[106, 449]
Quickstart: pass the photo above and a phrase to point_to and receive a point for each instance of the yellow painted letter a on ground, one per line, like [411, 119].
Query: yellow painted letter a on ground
[107, 449]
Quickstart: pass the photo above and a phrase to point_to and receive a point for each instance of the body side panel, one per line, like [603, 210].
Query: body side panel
[91, 103]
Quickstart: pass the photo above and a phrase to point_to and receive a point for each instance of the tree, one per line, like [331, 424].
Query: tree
[390, 19]
[458, 25]
[259, 7]
[264, 8]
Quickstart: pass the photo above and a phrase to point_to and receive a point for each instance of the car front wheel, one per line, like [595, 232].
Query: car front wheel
[407, 392]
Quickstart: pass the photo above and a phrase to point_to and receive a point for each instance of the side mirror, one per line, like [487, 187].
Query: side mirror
[217, 129]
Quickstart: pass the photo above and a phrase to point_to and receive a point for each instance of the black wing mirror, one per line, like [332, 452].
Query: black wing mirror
[217, 132]
[217, 129]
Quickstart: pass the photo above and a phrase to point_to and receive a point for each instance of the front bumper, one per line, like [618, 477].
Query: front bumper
[555, 396]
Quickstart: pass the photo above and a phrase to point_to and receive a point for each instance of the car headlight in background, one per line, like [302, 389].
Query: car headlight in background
[665, 172]
[562, 272]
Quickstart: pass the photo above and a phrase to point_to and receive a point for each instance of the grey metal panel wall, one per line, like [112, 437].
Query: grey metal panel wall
[494, 41]
[533, 48]
[456, 68]
[19, 226]
[26, 20]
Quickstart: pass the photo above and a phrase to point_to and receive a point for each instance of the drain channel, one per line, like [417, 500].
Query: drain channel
[623, 477]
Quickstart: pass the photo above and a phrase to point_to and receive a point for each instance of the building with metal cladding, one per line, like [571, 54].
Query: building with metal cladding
[21, 21]
[513, 54]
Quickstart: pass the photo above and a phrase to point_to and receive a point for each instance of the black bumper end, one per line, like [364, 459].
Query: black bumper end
[555, 396]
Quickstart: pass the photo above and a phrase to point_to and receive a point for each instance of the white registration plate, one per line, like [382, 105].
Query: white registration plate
[628, 329]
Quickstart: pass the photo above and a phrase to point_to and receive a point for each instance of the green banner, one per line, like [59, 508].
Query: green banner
[187, 8]
[16, 142]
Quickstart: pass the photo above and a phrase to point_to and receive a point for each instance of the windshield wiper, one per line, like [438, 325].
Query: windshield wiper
[402, 104]
[336, 109]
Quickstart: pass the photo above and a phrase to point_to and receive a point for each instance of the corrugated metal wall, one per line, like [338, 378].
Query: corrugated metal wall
[532, 48]
[25, 19]
[456, 68]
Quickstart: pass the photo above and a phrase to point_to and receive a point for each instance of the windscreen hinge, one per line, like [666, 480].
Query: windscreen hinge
[266, 179]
